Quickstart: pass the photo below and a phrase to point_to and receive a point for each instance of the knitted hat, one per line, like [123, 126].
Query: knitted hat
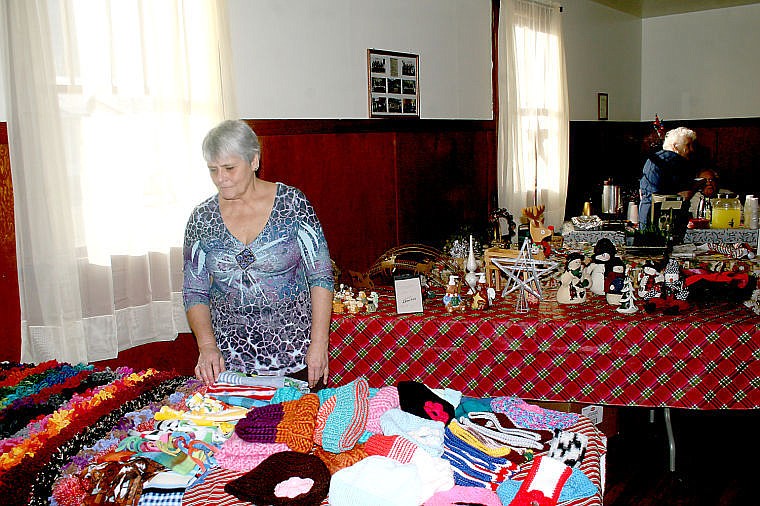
[416, 398]
[298, 421]
[376, 481]
[464, 495]
[238, 455]
[260, 424]
[545, 477]
[260, 486]
[342, 418]
[425, 433]
[337, 461]
[386, 398]
[394, 447]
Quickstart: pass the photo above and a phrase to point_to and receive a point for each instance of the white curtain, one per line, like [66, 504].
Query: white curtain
[109, 102]
[533, 130]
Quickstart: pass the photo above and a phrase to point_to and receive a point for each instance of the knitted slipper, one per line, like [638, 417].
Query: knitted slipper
[543, 484]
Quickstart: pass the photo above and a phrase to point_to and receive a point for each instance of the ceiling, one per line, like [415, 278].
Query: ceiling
[654, 8]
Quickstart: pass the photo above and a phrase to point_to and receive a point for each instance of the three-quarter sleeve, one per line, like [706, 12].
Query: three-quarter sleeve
[196, 284]
[313, 245]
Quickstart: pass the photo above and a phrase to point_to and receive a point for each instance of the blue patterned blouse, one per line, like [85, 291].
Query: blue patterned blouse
[258, 293]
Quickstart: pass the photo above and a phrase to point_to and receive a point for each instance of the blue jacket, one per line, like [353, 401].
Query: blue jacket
[664, 172]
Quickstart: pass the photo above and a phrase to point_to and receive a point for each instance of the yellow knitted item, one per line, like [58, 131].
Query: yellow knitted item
[472, 440]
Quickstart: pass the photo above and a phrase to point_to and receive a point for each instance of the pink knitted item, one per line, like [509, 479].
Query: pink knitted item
[464, 495]
[386, 398]
[239, 455]
[394, 447]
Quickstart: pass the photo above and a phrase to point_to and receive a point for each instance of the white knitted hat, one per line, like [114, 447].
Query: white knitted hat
[376, 481]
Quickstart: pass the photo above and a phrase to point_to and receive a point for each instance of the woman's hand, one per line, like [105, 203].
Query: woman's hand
[317, 362]
[210, 364]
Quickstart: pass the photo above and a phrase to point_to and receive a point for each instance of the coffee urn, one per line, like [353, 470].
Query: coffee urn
[612, 201]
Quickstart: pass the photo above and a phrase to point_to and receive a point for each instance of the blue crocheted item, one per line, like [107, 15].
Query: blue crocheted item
[346, 424]
[286, 394]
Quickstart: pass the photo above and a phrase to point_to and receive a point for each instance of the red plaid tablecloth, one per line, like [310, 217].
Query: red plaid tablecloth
[704, 358]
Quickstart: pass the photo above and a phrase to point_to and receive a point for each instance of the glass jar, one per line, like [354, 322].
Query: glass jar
[726, 211]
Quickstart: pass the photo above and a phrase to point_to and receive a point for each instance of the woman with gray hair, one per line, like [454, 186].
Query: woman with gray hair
[258, 278]
[668, 171]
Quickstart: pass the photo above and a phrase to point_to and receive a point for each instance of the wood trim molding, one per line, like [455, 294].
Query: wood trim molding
[268, 127]
[3, 132]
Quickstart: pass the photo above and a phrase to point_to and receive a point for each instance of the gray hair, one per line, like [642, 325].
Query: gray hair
[231, 137]
[678, 136]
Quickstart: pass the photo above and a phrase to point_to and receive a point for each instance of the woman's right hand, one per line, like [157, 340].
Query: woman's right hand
[210, 364]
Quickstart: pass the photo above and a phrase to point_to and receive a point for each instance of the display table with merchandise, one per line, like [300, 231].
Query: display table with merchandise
[79, 434]
[707, 357]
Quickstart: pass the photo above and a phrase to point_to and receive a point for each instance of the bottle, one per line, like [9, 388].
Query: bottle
[726, 211]
[747, 214]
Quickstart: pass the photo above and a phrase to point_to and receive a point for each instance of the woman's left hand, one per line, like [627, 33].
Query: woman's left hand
[317, 362]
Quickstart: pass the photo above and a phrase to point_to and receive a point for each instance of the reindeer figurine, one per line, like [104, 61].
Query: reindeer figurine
[539, 233]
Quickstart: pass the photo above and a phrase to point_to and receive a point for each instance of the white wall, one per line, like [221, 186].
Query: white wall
[603, 54]
[308, 58]
[702, 65]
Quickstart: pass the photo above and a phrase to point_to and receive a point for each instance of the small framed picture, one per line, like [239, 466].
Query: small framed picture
[601, 100]
[393, 80]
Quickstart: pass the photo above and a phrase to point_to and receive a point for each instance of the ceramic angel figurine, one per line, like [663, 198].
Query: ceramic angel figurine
[604, 251]
[613, 281]
[573, 282]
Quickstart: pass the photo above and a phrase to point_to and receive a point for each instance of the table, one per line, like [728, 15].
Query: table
[705, 358]
[692, 236]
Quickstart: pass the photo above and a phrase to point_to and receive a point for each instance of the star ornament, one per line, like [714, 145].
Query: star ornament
[524, 272]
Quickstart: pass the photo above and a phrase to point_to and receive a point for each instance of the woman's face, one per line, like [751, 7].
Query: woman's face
[232, 175]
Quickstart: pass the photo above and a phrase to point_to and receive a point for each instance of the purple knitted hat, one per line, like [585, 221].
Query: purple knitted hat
[260, 424]
[259, 485]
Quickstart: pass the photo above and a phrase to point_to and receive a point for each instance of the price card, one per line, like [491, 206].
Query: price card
[408, 294]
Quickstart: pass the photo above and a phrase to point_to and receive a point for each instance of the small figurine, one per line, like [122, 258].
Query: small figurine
[573, 283]
[373, 302]
[614, 277]
[604, 251]
[451, 299]
[672, 299]
[627, 305]
[650, 281]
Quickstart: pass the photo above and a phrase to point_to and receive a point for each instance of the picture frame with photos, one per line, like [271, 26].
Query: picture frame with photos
[393, 83]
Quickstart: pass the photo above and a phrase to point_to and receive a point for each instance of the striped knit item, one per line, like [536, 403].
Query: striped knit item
[394, 447]
[386, 398]
[211, 490]
[298, 422]
[342, 418]
[472, 467]
[261, 393]
[260, 424]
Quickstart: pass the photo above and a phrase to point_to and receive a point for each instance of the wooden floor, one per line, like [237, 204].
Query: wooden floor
[637, 459]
